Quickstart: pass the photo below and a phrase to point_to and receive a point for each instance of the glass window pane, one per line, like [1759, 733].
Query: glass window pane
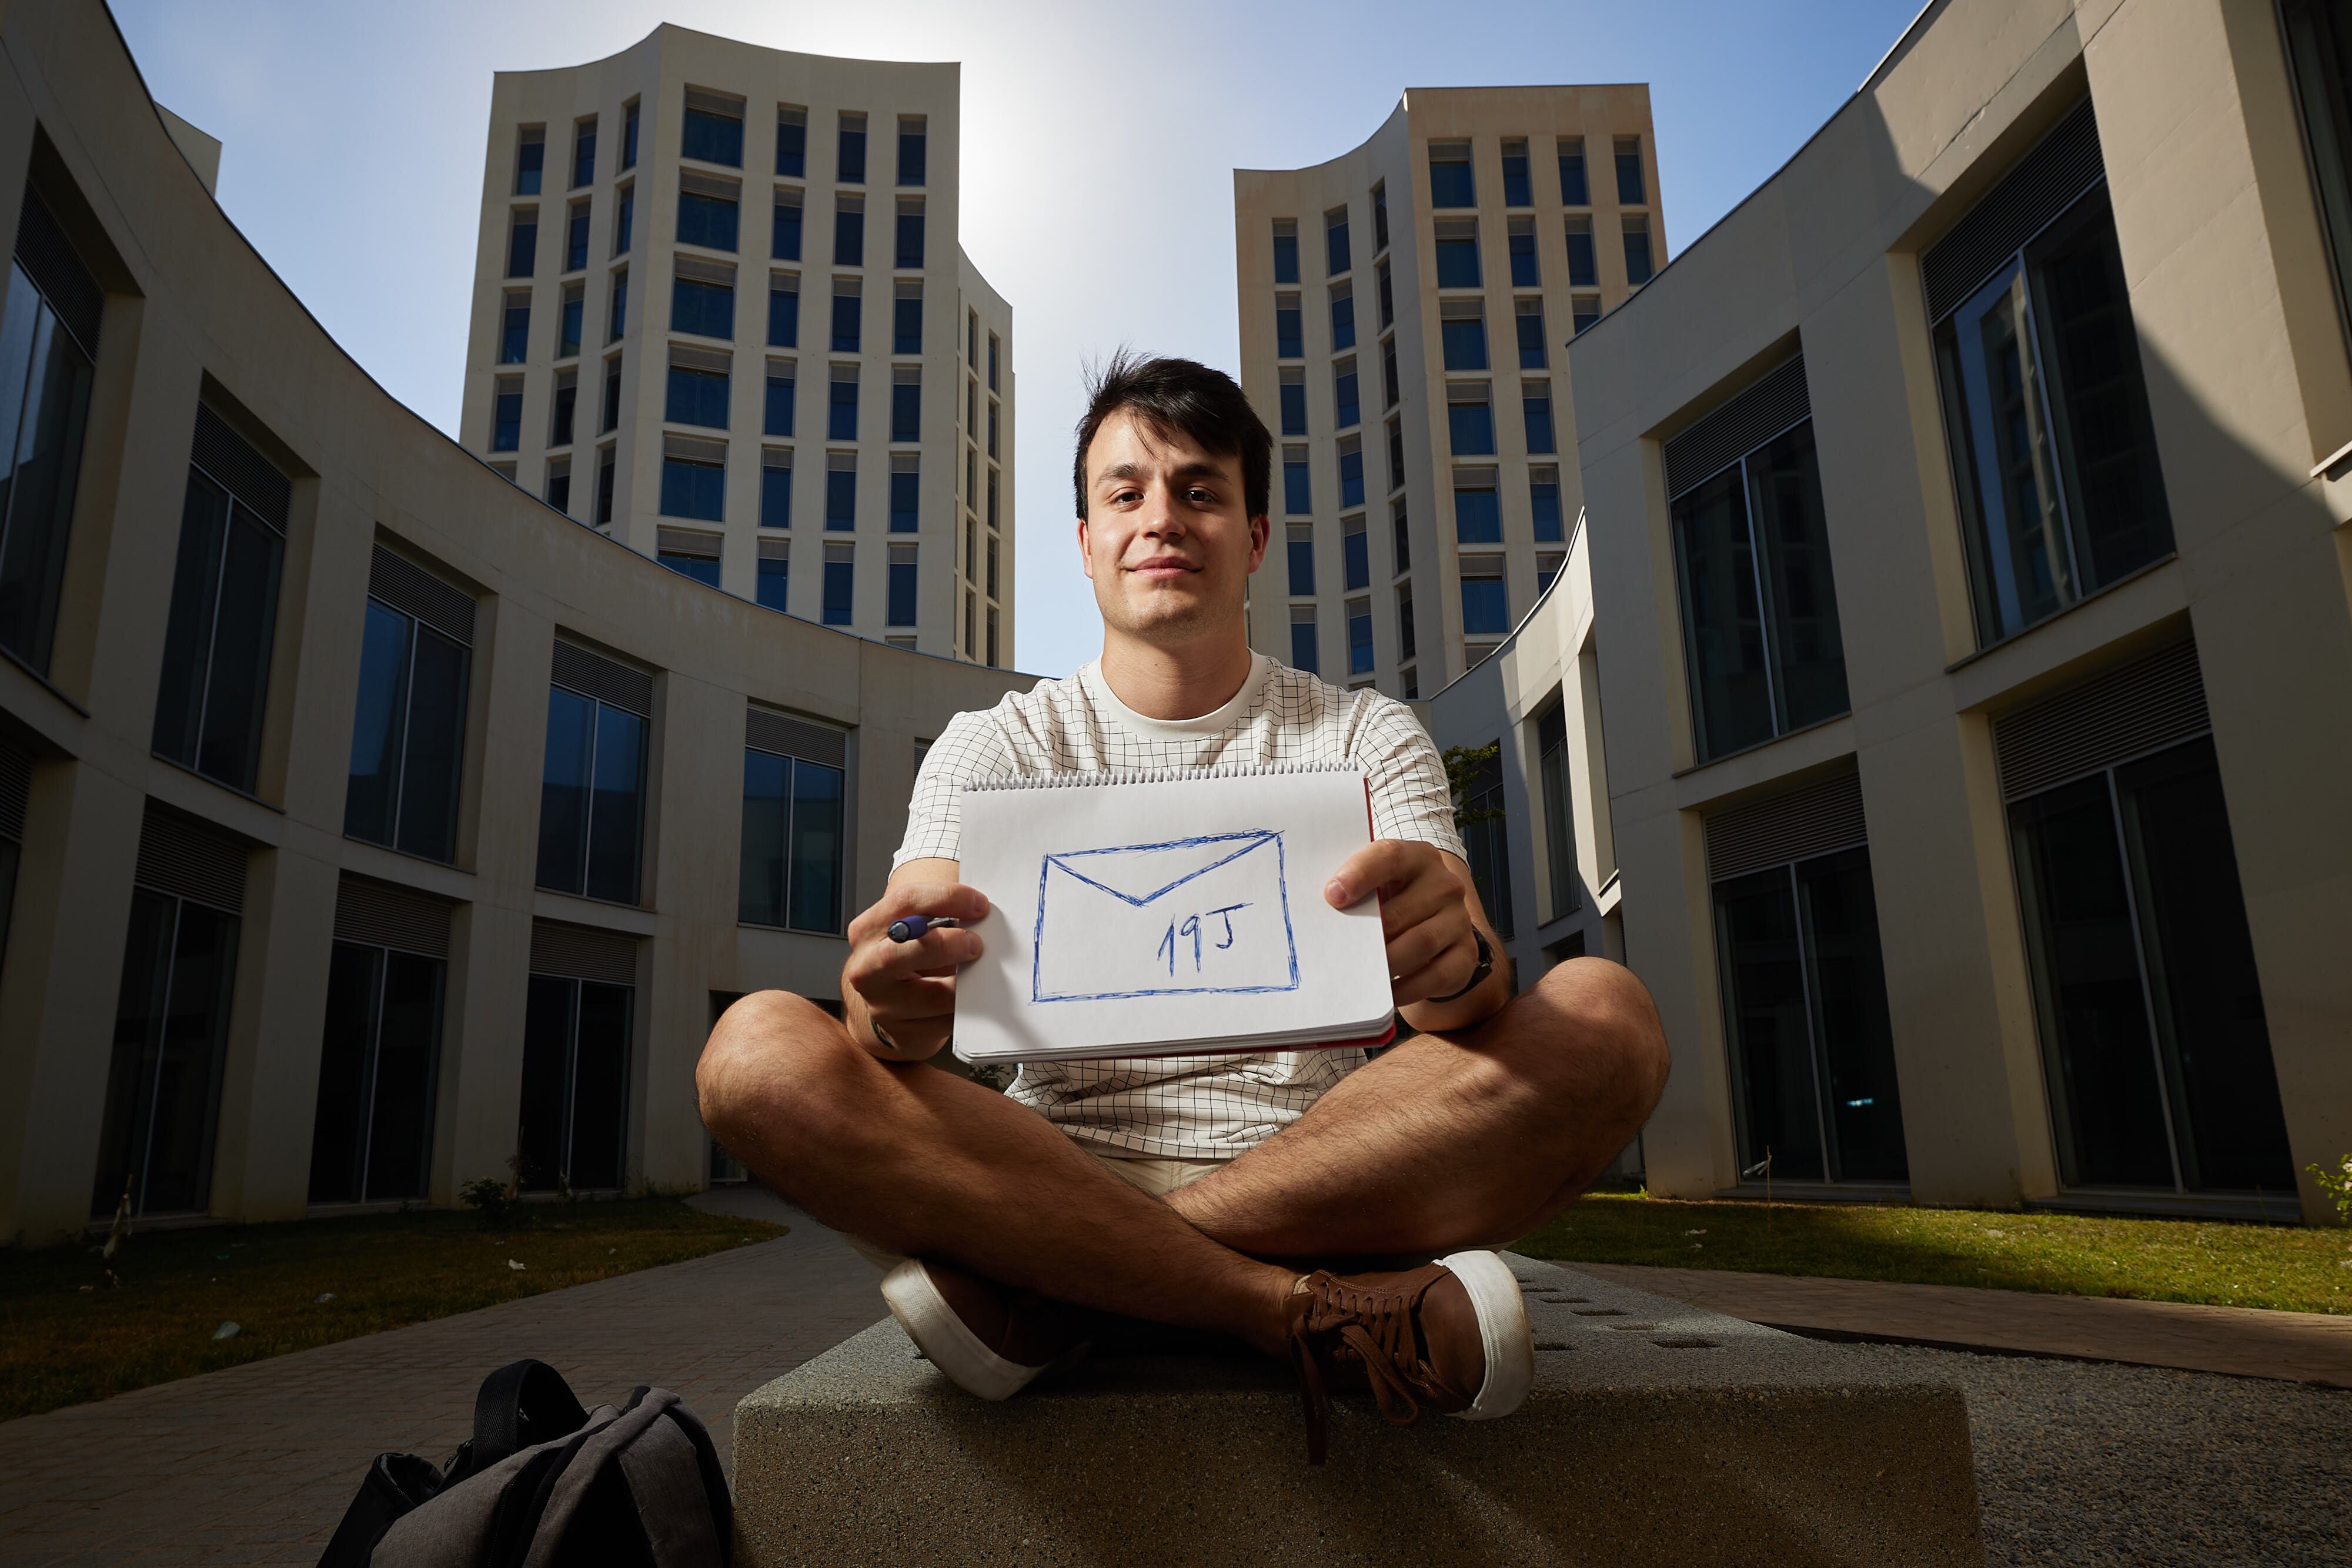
[767, 811]
[1774, 1093]
[434, 754]
[1301, 563]
[775, 499]
[1471, 426]
[1723, 631]
[712, 137]
[783, 318]
[408, 1050]
[1864, 1113]
[372, 793]
[784, 237]
[564, 790]
[43, 462]
[238, 681]
[777, 416]
[1485, 607]
[188, 631]
[839, 584]
[617, 813]
[338, 1130]
[546, 1072]
[774, 577]
[600, 1088]
[1303, 653]
[2003, 457]
[1477, 516]
[187, 1094]
[1465, 344]
[1808, 654]
[816, 847]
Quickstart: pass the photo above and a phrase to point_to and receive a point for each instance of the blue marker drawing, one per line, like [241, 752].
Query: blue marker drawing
[1196, 917]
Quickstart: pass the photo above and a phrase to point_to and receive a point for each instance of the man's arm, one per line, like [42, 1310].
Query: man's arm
[898, 999]
[1429, 907]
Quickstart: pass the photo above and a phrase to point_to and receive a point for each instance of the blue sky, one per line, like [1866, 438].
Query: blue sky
[1098, 146]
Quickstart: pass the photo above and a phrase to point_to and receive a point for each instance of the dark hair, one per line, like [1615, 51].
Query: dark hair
[1182, 397]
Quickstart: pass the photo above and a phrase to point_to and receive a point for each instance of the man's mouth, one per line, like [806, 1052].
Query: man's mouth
[1162, 567]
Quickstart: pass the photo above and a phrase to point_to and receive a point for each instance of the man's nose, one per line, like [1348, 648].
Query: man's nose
[1161, 517]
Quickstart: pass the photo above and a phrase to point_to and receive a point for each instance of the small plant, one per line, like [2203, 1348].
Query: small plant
[2337, 1184]
[491, 1198]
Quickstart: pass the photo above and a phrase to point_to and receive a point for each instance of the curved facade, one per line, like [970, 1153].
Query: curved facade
[365, 824]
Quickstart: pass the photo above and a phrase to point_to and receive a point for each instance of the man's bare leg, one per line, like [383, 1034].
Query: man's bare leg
[924, 1163]
[1451, 1141]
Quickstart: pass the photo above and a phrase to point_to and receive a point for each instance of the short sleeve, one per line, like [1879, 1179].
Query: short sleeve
[1410, 798]
[971, 748]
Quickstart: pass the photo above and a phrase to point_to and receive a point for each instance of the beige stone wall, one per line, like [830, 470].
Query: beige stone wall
[2246, 370]
[192, 310]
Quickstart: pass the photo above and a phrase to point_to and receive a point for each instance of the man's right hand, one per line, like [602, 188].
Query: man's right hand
[899, 997]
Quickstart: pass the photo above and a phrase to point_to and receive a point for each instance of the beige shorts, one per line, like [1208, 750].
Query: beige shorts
[1156, 1177]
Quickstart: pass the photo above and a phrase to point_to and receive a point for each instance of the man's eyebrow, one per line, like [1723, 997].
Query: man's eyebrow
[1184, 472]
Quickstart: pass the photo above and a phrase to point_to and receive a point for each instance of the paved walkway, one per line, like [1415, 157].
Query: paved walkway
[2299, 1347]
[255, 1464]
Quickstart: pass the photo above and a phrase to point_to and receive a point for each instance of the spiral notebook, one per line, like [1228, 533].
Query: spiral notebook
[1168, 911]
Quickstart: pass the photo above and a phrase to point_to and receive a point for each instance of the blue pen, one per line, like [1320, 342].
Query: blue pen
[914, 925]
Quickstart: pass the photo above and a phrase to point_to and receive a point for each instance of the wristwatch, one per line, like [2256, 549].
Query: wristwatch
[1477, 975]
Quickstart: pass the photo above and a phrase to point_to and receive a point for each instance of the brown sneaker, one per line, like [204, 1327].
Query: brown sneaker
[990, 1340]
[1450, 1336]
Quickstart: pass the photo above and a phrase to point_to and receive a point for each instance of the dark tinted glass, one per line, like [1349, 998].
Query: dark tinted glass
[783, 318]
[1517, 190]
[696, 490]
[378, 728]
[629, 139]
[506, 421]
[1286, 258]
[600, 1087]
[841, 414]
[546, 1065]
[1559, 819]
[774, 575]
[703, 568]
[1587, 311]
[45, 385]
[845, 323]
[1523, 261]
[530, 158]
[851, 169]
[237, 679]
[1465, 344]
[1347, 410]
[564, 790]
[1406, 635]
[784, 240]
[706, 309]
[575, 241]
[906, 412]
[523, 249]
[776, 511]
[1289, 339]
[777, 419]
[514, 334]
[1343, 322]
[1351, 462]
[816, 847]
[767, 816]
[1848, 986]
[188, 628]
[1543, 501]
[1389, 391]
[792, 150]
[618, 319]
[899, 599]
[1457, 262]
[1537, 412]
[1531, 340]
[1359, 642]
[617, 812]
[583, 154]
[1472, 427]
[1629, 177]
[1449, 183]
[707, 221]
[434, 761]
[1573, 192]
[1637, 255]
[567, 400]
[338, 1130]
[611, 402]
[1487, 838]
[848, 238]
[567, 327]
[1807, 651]
[840, 499]
[1293, 408]
[695, 397]
[1477, 517]
[1723, 625]
[1296, 496]
[903, 489]
[1583, 270]
[1356, 557]
[1303, 653]
[1301, 562]
[1335, 247]
[1485, 606]
[408, 1050]
[910, 239]
[839, 581]
[1777, 1092]
[712, 137]
[906, 327]
[140, 1010]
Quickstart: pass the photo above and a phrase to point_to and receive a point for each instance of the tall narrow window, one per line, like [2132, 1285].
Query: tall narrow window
[1543, 502]
[775, 574]
[994, 650]
[906, 402]
[1296, 494]
[575, 238]
[840, 582]
[899, 602]
[1387, 293]
[840, 492]
[775, 496]
[1524, 273]
[1347, 410]
[1534, 404]
[1293, 393]
[1573, 189]
[2319, 48]
[1381, 216]
[1638, 265]
[1289, 332]
[625, 218]
[1406, 640]
[694, 479]
[618, 321]
[906, 492]
[1286, 250]
[1299, 559]
[1477, 513]
[1390, 389]
[530, 158]
[848, 229]
[559, 484]
[913, 149]
[1485, 600]
[1462, 332]
[1355, 553]
[1396, 454]
[713, 131]
[709, 212]
[1336, 254]
[1343, 317]
[1450, 181]
[792, 142]
[995, 349]
[785, 229]
[408, 733]
[224, 613]
[848, 310]
[629, 135]
[611, 412]
[569, 322]
[48, 349]
[841, 411]
[1558, 821]
[572, 1131]
[1583, 266]
[777, 413]
[605, 460]
[1304, 652]
[1519, 190]
[1529, 316]
[849, 166]
[1470, 418]
[567, 401]
[372, 1130]
[909, 251]
[1351, 471]
[907, 318]
[1360, 637]
[795, 792]
[522, 242]
[1485, 836]
[592, 790]
[1632, 187]
[1457, 253]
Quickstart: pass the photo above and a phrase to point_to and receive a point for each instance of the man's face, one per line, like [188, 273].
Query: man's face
[1168, 537]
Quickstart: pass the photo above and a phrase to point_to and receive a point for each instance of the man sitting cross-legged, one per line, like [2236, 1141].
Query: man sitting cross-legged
[1197, 1191]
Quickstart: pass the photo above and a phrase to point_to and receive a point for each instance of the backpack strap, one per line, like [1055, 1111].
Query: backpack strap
[521, 1405]
[687, 1522]
[394, 1484]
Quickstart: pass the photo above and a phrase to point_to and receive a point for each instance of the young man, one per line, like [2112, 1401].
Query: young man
[1197, 1191]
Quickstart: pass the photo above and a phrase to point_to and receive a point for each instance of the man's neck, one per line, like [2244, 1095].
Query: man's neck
[1175, 682]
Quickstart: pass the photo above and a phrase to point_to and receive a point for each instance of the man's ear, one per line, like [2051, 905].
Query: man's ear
[1086, 556]
[1261, 530]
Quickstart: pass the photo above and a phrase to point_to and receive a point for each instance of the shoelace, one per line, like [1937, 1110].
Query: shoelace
[1377, 1325]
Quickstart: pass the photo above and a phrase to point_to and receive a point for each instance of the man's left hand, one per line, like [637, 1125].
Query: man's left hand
[1426, 906]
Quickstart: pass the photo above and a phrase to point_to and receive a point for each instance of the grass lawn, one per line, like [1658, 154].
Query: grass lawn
[71, 1337]
[2298, 1268]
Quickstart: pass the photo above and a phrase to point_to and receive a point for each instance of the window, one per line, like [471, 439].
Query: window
[906, 403]
[1573, 192]
[1381, 216]
[1449, 183]
[1462, 331]
[1637, 248]
[1518, 190]
[784, 237]
[569, 322]
[992, 363]
[1352, 472]
[775, 571]
[777, 419]
[701, 302]
[1587, 308]
[972, 339]
[1396, 454]
[784, 310]
[971, 646]
[713, 129]
[1631, 187]
[991, 567]
[1477, 511]
[604, 487]
[1543, 502]
[572, 1128]
[1470, 418]
[708, 213]
[1289, 335]
[907, 322]
[1405, 638]
[900, 598]
[2319, 50]
[1584, 268]
[912, 142]
[575, 238]
[558, 485]
[840, 491]
[1296, 496]
[373, 1129]
[1299, 559]
[910, 231]
[694, 482]
[906, 492]
[224, 611]
[2047, 419]
[1355, 553]
[993, 476]
[1559, 823]
[619, 316]
[1529, 314]
[793, 823]
[1347, 410]
[1524, 272]
[992, 638]
[840, 582]
[689, 554]
[522, 242]
[1303, 653]
[1457, 253]
[1286, 250]
[171, 1040]
[849, 166]
[531, 157]
[848, 304]
[1294, 400]
[775, 501]
[698, 394]
[1486, 835]
[611, 411]
[624, 219]
[1547, 566]
[629, 135]
[1334, 243]
[1485, 603]
[506, 416]
[592, 790]
[841, 412]
[1360, 637]
[1388, 295]
[1535, 401]
[1389, 389]
[848, 229]
[1760, 608]
[409, 731]
[792, 142]
[1343, 317]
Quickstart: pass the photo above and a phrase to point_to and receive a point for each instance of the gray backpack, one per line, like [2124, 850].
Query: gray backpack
[544, 1483]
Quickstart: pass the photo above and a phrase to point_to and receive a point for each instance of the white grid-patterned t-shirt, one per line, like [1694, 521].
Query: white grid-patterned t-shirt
[1184, 1107]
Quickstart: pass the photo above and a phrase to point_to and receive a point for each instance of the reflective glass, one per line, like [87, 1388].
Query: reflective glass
[564, 790]
[617, 813]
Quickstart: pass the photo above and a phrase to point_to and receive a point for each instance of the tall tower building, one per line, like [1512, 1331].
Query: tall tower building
[721, 314]
[1405, 314]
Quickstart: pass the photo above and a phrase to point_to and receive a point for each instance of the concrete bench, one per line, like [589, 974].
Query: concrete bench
[1657, 1433]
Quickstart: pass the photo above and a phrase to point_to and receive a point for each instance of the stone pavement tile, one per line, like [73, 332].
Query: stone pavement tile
[255, 1464]
[2245, 1342]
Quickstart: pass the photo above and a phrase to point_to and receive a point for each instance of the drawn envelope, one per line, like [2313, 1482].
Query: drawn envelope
[1187, 918]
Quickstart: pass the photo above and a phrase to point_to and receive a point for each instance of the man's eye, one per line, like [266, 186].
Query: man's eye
[1200, 497]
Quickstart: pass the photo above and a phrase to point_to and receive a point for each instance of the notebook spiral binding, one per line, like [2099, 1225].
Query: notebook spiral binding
[1156, 775]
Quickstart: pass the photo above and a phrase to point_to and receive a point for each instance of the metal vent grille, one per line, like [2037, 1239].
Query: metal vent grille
[700, 271]
[605, 679]
[710, 102]
[1777, 400]
[693, 449]
[239, 469]
[386, 917]
[686, 541]
[182, 856]
[767, 730]
[1815, 820]
[584, 953]
[2142, 706]
[407, 587]
[707, 186]
[50, 260]
[16, 794]
[689, 358]
[2045, 183]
